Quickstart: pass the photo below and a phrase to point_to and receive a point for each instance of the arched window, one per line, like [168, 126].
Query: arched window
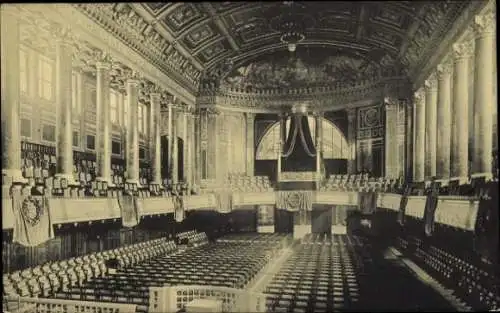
[334, 143]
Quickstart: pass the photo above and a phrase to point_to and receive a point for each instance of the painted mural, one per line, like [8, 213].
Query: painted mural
[296, 71]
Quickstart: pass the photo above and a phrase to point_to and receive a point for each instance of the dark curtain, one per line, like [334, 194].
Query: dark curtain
[297, 146]
[321, 220]
[180, 159]
[283, 221]
[164, 156]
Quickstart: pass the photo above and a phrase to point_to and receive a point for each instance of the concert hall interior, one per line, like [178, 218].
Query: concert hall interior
[292, 156]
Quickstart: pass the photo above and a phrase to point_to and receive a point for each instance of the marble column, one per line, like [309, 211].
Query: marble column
[170, 141]
[191, 146]
[484, 26]
[391, 139]
[155, 137]
[63, 84]
[11, 128]
[443, 121]
[419, 151]
[103, 121]
[430, 127]
[132, 157]
[187, 139]
[409, 141]
[351, 140]
[175, 147]
[250, 150]
[459, 122]
[197, 148]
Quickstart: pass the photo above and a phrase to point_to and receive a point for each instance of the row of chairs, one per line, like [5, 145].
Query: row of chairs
[117, 286]
[219, 264]
[320, 276]
[244, 183]
[52, 277]
[360, 182]
[474, 284]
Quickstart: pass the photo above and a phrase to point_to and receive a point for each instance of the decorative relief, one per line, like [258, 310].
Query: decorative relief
[183, 15]
[462, 50]
[126, 24]
[370, 122]
[484, 24]
[431, 83]
[444, 69]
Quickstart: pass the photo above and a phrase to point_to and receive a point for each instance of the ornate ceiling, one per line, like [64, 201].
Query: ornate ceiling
[192, 41]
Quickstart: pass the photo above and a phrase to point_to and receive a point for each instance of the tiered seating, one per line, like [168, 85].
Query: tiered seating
[220, 264]
[475, 284]
[192, 237]
[359, 182]
[52, 277]
[243, 183]
[111, 287]
[319, 277]
[37, 162]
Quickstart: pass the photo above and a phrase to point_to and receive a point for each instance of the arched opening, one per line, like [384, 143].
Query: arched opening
[336, 150]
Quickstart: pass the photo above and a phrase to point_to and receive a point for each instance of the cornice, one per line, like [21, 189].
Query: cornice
[443, 43]
[88, 30]
[321, 99]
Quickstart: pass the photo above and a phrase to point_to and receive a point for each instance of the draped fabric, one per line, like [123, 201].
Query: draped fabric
[299, 151]
[403, 204]
[224, 201]
[179, 213]
[294, 200]
[129, 209]
[430, 210]
[33, 224]
[367, 201]
[486, 228]
[299, 126]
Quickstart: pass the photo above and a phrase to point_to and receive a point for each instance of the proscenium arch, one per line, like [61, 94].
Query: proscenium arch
[335, 145]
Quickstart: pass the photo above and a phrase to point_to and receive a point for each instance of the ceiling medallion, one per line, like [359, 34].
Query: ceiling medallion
[292, 23]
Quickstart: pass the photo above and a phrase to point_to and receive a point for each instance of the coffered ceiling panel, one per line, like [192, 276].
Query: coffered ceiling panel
[183, 16]
[200, 35]
[206, 35]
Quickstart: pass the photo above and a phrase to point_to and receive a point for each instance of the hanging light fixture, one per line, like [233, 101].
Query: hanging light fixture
[292, 23]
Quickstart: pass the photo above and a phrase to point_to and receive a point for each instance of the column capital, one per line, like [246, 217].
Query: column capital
[62, 34]
[155, 97]
[444, 69]
[132, 77]
[462, 50]
[249, 116]
[431, 83]
[484, 24]
[103, 60]
[351, 114]
[419, 97]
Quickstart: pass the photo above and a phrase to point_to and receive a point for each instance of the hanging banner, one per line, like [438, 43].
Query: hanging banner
[178, 208]
[33, 224]
[129, 209]
[402, 205]
[487, 226]
[294, 200]
[224, 201]
[367, 201]
[430, 210]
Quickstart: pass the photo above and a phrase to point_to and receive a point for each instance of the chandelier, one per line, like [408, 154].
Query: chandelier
[292, 22]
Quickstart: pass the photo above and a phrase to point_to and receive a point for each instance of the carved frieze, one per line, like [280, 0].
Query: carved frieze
[125, 23]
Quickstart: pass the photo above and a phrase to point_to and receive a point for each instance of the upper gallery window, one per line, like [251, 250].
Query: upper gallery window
[45, 76]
